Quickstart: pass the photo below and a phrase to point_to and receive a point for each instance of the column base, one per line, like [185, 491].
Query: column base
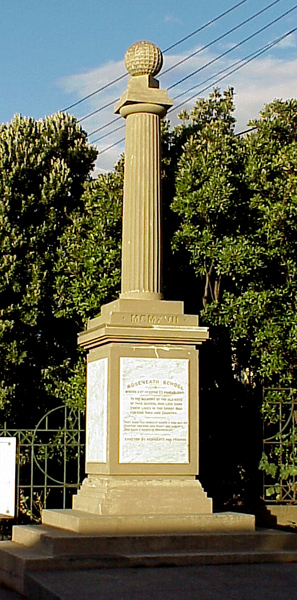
[142, 496]
[142, 296]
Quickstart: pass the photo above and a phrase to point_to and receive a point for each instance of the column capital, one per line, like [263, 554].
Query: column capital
[143, 90]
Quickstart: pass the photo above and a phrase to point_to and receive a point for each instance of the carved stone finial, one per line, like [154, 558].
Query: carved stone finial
[143, 58]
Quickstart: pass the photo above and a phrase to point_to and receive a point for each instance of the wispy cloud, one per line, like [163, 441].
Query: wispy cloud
[258, 83]
[289, 42]
[172, 19]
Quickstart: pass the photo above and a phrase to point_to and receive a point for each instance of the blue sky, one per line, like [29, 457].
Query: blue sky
[53, 52]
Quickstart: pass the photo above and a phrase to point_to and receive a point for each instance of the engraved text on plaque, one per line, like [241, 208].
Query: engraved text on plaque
[154, 410]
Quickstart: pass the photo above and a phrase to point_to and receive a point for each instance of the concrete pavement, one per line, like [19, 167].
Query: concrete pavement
[220, 582]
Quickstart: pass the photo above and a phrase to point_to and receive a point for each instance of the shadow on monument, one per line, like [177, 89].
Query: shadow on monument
[230, 431]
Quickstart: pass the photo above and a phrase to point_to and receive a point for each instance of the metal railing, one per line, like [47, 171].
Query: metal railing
[49, 462]
[279, 459]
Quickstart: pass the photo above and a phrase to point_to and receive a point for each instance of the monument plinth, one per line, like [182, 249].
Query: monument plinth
[142, 365]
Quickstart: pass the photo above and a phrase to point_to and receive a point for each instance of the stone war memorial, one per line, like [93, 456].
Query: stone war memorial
[142, 364]
[141, 503]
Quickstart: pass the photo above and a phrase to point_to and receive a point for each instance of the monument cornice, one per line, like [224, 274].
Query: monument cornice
[146, 334]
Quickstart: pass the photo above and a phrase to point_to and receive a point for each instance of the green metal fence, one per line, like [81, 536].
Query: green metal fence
[279, 459]
[49, 463]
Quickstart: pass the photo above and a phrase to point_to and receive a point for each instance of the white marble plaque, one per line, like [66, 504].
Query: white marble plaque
[7, 476]
[96, 411]
[154, 410]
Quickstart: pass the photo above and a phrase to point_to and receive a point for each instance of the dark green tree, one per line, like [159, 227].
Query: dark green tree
[88, 269]
[44, 166]
[237, 205]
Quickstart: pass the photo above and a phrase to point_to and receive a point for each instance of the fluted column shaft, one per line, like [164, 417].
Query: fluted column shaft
[141, 244]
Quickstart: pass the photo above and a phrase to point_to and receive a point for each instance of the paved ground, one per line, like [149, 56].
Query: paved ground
[228, 582]
[6, 594]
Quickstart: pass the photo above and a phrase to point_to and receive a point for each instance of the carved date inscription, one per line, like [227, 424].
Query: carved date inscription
[147, 319]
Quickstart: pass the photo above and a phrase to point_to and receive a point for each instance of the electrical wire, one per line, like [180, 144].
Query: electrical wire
[103, 87]
[255, 54]
[187, 37]
[182, 61]
[98, 110]
[246, 61]
[104, 126]
[117, 79]
[107, 134]
[233, 47]
[111, 146]
[246, 131]
[238, 64]
[243, 62]
[207, 46]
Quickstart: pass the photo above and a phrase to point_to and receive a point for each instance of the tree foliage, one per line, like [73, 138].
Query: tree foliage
[88, 269]
[44, 166]
[237, 201]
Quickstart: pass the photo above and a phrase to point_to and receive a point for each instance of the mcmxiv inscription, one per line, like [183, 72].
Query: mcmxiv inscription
[154, 415]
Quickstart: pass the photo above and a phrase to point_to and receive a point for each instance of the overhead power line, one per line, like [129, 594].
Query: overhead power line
[196, 71]
[91, 114]
[104, 126]
[117, 79]
[234, 68]
[246, 131]
[211, 22]
[244, 62]
[241, 61]
[182, 61]
[108, 134]
[94, 112]
[230, 70]
[112, 146]
[103, 87]
[248, 38]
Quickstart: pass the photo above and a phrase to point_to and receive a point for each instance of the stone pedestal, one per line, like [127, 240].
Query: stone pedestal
[142, 411]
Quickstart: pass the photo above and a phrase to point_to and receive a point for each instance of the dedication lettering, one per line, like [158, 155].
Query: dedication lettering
[154, 410]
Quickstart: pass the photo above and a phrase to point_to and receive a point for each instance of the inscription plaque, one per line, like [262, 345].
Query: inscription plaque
[154, 410]
[96, 411]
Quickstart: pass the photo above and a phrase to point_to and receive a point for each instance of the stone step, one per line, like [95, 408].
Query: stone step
[15, 557]
[204, 557]
[83, 522]
[60, 542]
[37, 548]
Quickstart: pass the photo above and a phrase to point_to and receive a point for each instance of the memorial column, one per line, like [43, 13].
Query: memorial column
[142, 105]
[141, 247]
